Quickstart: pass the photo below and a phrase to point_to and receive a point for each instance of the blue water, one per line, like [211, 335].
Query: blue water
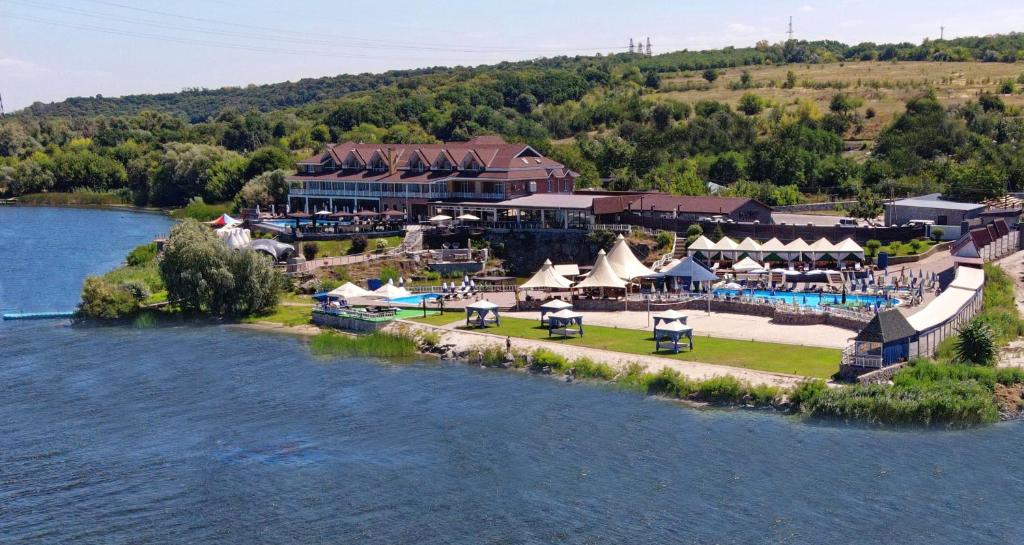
[808, 299]
[210, 435]
[416, 299]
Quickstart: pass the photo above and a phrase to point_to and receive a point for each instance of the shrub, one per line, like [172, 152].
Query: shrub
[588, 368]
[102, 300]
[720, 389]
[664, 239]
[915, 246]
[359, 244]
[382, 244]
[872, 247]
[806, 390]
[309, 250]
[869, 113]
[141, 255]
[976, 343]
[953, 404]
[936, 233]
[491, 355]
[429, 339]
[668, 382]
[763, 395]
[199, 210]
[378, 344]
[137, 288]
[542, 357]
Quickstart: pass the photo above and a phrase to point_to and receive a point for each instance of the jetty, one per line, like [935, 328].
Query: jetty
[37, 315]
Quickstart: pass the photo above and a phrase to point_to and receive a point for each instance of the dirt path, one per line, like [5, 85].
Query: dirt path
[465, 340]
[1012, 355]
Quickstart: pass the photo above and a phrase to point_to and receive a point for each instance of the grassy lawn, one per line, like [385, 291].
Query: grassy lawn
[284, 314]
[903, 248]
[438, 319]
[336, 248]
[779, 358]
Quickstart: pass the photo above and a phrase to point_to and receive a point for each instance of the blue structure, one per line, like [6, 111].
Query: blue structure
[667, 316]
[884, 341]
[670, 333]
[563, 322]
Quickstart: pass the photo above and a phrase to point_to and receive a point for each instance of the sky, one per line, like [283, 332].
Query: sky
[54, 49]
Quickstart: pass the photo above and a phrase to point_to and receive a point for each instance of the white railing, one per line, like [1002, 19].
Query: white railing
[668, 256]
[860, 360]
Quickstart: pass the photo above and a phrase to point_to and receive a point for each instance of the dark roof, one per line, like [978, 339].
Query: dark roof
[662, 202]
[1001, 227]
[981, 237]
[887, 326]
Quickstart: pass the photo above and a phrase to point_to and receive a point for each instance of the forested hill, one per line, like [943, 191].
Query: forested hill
[198, 105]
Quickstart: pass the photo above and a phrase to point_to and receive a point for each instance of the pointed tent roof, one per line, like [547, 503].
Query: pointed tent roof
[773, 245]
[546, 277]
[702, 243]
[224, 219]
[822, 245]
[556, 304]
[348, 290]
[670, 314]
[602, 275]
[565, 314]
[690, 268]
[746, 264]
[749, 245]
[482, 305]
[626, 265]
[391, 291]
[886, 326]
[726, 245]
[849, 246]
[672, 326]
[797, 245]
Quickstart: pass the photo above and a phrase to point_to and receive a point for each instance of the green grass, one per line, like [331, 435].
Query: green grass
[335, 248]
[287, 315]
[773, 357]
[76, 198]
[439, 319]
[896, 248]
[378, 344]
[202, 211]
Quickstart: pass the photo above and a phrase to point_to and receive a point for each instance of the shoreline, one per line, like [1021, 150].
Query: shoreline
[87, 206]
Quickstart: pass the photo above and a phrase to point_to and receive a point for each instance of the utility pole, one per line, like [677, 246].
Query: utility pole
[631, 45]
[942, 33]
[789, 32]
[648, 52]
[1, 105]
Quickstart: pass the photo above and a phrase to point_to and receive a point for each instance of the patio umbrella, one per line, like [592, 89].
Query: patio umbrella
[468, 217]
[440, 218]
[401, 280]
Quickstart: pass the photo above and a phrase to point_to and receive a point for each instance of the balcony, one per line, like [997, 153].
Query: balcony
[469, 195]
[369, 193]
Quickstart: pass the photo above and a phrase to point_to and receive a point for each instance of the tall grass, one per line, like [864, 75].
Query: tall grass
[199, 210]
[78, 197]
[378, 344]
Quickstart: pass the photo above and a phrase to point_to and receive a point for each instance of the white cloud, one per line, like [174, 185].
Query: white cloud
[18, 67]
[851, 23]
[806, 8]
[740, 28]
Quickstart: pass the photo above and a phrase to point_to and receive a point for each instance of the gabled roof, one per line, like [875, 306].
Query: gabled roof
[688, 267]
[849, 246]
[602, 275]
[797, 245]
[886, 326]
[749, 245]
[773, 245]
[726, 244]
[701, 243]
[663, 202]
[626, 265]
[547, 278]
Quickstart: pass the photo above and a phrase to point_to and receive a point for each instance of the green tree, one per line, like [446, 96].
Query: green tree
[267, 159]
[102, 300]
[717, 234]
[264, 190]
[745, 80]
[871, 247]
[976, 344]
[790, 82]
[710, 75]
[727, 168]
[868, 205]
[195, 268]
[750, 104]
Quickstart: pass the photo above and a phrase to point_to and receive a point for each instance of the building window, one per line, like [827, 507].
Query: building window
[549, 186]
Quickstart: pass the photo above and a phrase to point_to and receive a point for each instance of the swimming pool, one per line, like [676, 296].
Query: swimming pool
[416, 299]
[808, 299]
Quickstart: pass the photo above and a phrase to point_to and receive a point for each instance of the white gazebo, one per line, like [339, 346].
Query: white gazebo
[349, 290]
[391, 291]
[748, 248]
[795, 250]
[701, 248]
[821, 249]
[547, 279]
[553, 305]
[726, 248]
[747, 265]
[773, 247]
[486, 312]
[848, 250]
[626, 265]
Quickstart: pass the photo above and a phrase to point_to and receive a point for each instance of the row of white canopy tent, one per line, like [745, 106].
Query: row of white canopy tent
[614, 269]
[348, 290]
[775, 250]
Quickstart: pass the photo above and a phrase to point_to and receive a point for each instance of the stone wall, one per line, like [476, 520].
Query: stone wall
[525, 251]
[346, 323]
[882, 375]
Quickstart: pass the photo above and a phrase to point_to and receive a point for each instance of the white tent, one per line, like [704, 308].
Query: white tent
[602, 275]
[349, 290]
[234, 237]
[673, 325]
[547, 278]
[669, 315]
[568, 269]
[702, 245]
[750, 247]
[820, 248]
[556, 304]
[726, 247]
[747, 265]
[847, 248]
[795, 249]
[626, 265]
[773, 246]
[482, 305]
[565, 314]
[391, 291]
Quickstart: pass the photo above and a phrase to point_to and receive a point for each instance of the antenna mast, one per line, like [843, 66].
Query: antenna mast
[790, 31]
[631, 45]
[942, 33]
[1, 105]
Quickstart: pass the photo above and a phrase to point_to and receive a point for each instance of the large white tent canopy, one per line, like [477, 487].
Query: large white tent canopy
[795, 249]
[703, 245]
[349, 290]
[689, 268]
[750, 248]
[602, 275]
[391, 291]
[726, 247]
[747, 265]
[625, 264]
[547, 278]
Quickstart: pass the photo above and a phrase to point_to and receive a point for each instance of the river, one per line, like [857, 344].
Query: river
[196, 435]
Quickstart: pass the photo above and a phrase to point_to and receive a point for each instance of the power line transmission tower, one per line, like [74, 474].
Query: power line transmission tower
[631, 45]
[648, 52]
[789, 32]
[942, 33]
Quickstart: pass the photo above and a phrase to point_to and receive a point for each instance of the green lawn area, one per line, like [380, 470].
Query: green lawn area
[288, 315]
[439, 319]
[903, 248]
[335, 248]
[778, 358]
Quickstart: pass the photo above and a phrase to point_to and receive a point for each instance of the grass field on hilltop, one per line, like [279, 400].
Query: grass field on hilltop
[773, 357]
[883, 86]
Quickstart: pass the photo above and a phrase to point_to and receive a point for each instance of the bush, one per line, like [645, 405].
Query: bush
[588, 368]
[915, 246]
[137, 288]
[952, 404]
[359, 244]
[976, 343]
[668, 382]
[199, 210]
[382, 244]
[491, 355]
[542, 357]
[872, 247]
[378, 344]
[309, 250]
[102, 300]
[806, 390]
[141, 255]
[936, 233]
[664, 240]
[720, 390]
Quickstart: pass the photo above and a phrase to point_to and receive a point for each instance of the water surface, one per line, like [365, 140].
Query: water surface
[214, 435]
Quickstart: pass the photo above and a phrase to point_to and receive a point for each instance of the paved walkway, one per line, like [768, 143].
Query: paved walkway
[1012, 355]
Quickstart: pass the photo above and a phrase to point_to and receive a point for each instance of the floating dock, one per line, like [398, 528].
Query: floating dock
[37, 315]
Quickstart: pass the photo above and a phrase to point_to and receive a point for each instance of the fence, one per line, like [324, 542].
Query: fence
[785, 233]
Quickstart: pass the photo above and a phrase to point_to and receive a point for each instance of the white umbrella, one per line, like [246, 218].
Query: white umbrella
[444, 286]
[468, 217]
[732, 286]
[323, 213]
[465, 278]
[472, 283]
[439, 218]
[349, 290]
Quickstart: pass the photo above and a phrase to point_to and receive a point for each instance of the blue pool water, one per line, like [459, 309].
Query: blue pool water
[808, 299]
[416, 299]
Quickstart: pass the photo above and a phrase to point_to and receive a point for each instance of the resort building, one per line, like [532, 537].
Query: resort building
[406, 177]
[611, 208]
[931, 208]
